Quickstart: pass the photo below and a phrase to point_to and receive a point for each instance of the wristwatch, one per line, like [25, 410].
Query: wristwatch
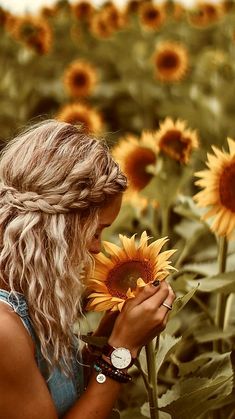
[120, 357]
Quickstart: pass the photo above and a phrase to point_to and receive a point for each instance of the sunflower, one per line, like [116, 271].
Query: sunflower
[99, 26]
[175, 140]
[134, 156]
[78, 113]
[219, 192]
[83, 10]
[10, 22]
[117, 278]
[204, 14]
[151, 15]
[114, 18]
[80, 78]
[35, 32]
[174, 10]
[3, 16]
[48, 12]
[170, 61]
[132, 6]
[227, 6]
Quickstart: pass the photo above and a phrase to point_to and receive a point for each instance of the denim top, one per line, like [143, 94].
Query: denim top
[64, 391]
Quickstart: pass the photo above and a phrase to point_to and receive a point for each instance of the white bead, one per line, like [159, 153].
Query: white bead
[101, 378]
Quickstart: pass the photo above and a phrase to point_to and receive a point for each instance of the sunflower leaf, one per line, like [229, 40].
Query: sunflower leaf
[132, 413]
[211, 385]
[146, 412]
[167, 344]
[211, 333]
[180, 302]
[98, 341]
[223, 282]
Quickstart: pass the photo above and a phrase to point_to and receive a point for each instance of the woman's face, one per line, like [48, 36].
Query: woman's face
[107, 215]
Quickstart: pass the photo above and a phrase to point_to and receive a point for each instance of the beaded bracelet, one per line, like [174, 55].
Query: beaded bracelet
[105, 369]
[102, 374]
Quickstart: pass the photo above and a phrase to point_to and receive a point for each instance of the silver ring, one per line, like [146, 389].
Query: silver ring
[167, 306]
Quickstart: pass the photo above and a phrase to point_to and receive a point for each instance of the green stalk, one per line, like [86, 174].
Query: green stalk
[221, 298]
[165, 223]
[143, 374]
[220, 304]
[152, 379]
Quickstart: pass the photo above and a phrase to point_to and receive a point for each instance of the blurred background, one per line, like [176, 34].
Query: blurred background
[122, 84]
[156, 79]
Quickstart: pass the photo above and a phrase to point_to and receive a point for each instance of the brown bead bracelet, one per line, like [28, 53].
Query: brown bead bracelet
[108, 370]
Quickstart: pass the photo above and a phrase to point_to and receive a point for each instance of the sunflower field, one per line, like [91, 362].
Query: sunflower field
[157, 81]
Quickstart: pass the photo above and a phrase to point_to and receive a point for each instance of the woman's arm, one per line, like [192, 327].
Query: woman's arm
[23, 391]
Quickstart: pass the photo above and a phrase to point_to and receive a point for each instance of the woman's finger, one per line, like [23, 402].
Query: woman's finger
[154, 302]
[143, 294]
[166, 305]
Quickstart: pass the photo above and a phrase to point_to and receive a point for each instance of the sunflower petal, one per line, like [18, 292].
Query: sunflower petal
[114, 250]
[140, 283]
[231, 144]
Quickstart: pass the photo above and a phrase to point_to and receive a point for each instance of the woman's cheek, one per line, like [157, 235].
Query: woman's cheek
[95, 246]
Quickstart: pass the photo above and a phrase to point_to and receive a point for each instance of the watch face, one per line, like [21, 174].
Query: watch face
[121, 358]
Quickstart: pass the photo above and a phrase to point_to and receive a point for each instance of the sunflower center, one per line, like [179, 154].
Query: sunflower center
[133, 6]
[80, 79]
[124, 276]
[84, 8]
[210, 11]
[167, 60]
[28, 30]
[173, 142]
[136, 165]
[152, 14]
[226, 187]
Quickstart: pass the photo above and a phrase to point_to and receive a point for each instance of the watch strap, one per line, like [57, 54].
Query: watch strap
[107, 350]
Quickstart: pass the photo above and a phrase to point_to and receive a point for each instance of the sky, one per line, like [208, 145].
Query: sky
[21, 6]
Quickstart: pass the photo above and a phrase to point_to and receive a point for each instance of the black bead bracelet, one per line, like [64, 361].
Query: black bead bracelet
[108, 370]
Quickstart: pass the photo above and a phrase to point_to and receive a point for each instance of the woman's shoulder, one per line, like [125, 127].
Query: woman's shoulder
[15, 341]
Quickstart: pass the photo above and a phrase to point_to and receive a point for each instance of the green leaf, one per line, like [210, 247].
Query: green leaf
[167, 344]
[187, 208]
[98, 341]
[134, 413]
[223, 282]
[180, 302]
[186, 368]
[211, 333]
[211, 384]
[145, 411]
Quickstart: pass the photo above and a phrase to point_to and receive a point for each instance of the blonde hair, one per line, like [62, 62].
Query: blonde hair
[54, 180]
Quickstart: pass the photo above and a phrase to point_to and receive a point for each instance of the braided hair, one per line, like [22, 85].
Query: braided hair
[54, 178]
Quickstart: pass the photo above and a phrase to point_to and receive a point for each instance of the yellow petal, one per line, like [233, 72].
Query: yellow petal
[140, 283]
[128, 246]
[130, 294]
[114, 250]
[101, 258]
[231, 144]
[103, 306]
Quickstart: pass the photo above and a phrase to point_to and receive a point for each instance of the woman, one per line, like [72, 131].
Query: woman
[59, 189]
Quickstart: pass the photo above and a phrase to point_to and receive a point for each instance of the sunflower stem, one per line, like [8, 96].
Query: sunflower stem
[152, 380]
[143, 374]
[221, 298]
[165, 222]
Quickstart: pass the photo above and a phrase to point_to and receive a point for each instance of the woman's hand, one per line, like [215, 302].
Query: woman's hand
[142, 318]
[106, 324]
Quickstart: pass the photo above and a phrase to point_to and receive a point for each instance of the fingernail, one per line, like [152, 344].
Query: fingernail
[156, 283]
